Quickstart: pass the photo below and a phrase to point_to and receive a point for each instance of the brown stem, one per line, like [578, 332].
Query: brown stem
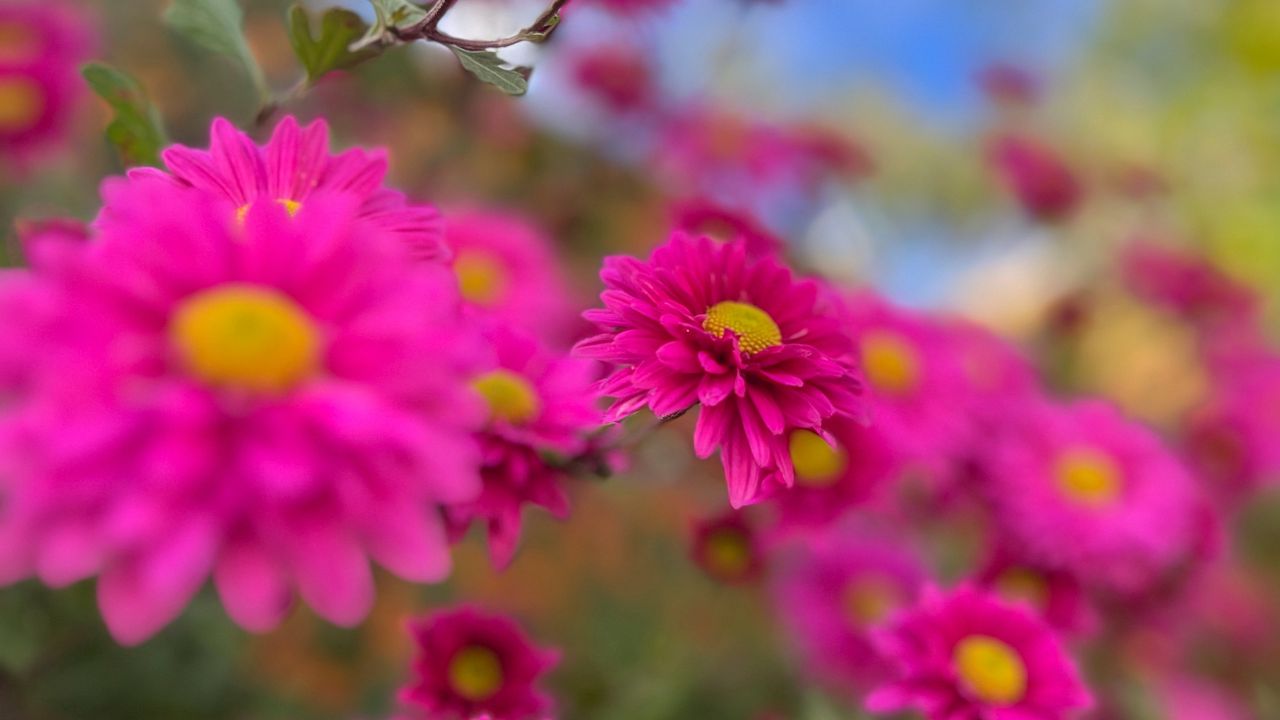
[429, 29]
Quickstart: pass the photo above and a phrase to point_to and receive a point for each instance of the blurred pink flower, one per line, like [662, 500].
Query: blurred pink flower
[1080, 487]
[1052, 593]
[508, 271]
[271, 400]
[42, 45]
[539, 404]
[831, 589]
[833, 478]
[618, 75]
[471, 663]
[967, 655]
[701, 323]
[1189, 698]
[1037, 176]
[703, 217]
[1188, 285]
[1009, 84]
[726, 548]
[294, 165]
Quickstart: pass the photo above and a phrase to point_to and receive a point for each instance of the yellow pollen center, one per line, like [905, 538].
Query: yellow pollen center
[509, 395]
[21, 104]
[870, 598]
[1024, 584]
[482, 279]
[890, 361]
[817, 464]
[290, 206]
[727, 553]
[475, 673]
[18, 43]
[1089, 477]
[990, 670]
[245, 337]
[756, 331]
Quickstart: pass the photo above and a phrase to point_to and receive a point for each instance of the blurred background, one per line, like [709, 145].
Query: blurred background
[988, 159]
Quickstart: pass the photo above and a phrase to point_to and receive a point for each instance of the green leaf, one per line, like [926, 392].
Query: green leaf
[135, 130]
[398, 14]
[217, 25]
[489, 68]
[331, 50]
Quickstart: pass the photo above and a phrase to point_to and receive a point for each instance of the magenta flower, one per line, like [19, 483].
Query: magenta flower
[1052, 593]
[472, 663]
[508, 271]
[701, 323]
[831, 478]
[619, 76]
[966, 655]
[1082, 488]
[539, 404]
[727, 548]
[703, 217]
[42, 45]
[1037, 176]
[272, 400]
[1188, 285]
[294, 165]
[832, 589]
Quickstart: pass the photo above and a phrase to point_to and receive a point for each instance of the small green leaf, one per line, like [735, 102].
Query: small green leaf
[135, 130]
[398, 14]
[217, 25]
[332, 49]
[489, 68]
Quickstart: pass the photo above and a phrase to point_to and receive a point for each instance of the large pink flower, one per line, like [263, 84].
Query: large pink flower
[540, 404]
[966, 655]
[272, 400]
[42, 45]
[701, 323]
[293, 166]
[1080, 487]
[472, 663]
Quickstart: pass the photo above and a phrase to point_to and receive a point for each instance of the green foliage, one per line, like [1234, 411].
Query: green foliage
[398, 14]
[331, 49]
[489, 68]
[217, 25]
[135, 130]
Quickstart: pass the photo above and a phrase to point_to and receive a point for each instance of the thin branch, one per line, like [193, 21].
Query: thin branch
[429, 29]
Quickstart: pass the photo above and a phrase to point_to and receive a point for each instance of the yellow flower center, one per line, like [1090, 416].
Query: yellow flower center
[727, 553]
[870, 598]
[1023, 584]
[510, 396]
[890, 361]
[246, 337]
[290, 206]
[1089, 477]
[482, 279]
[475, 673]
[990, 670]
[18, 44]
[756, 331]
[817, 464]
[21, 104]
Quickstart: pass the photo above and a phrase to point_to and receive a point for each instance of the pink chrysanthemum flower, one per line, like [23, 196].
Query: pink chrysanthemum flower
[701, 323]
[1080, 487]
[832, 589]
[1188, 286]
[1054, 594]
[966, 655]
[703, 217]
[272, 400]
[539, 404]
[618, 75]
[507, 270]
[296, 164]
[1037, 176]
[42, 45]
[472, 663]
[833, 477]
[1230, 440]
[727, 548]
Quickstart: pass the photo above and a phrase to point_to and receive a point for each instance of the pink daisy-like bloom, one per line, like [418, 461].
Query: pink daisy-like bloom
[42, 45]
[272, 401]
[618, 75]
[507, 270]
[1037, 176]
[296, 164]
[1188, 285]
[727, 548]
[1230, 441]
[1082, 488]
[703, 217]
[833, 477]
[471, 663]
[539, 403]
[832, 589]
[1052, 593]
[759, 350]
[967, 655]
